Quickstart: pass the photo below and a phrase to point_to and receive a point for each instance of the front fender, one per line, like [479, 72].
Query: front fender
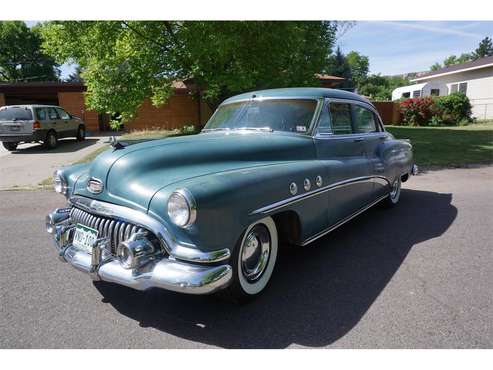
[226, 201]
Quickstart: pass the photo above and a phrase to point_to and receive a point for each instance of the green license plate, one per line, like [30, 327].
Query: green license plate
[84, 237]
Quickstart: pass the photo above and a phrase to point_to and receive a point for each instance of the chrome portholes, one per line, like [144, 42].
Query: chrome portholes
[255, 253]
[293, 188]
[307, 185]
[319, 181]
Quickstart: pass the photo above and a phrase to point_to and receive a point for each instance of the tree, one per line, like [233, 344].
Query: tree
[485, 48]
[339, 66]
[21, 57]
[359, 66]
[436, 67]
[379, 87]
[124, 62]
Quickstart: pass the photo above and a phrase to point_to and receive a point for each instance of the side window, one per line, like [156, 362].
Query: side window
[340, 114]
[63, 114]
[453, 88]
[41, 114]
[52, 114]
[435, 92]
[324, 121]
[364, 120]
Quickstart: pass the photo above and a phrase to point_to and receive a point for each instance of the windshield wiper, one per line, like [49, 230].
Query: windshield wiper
[266, 128]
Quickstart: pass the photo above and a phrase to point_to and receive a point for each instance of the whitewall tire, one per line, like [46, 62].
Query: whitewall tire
[254, 259]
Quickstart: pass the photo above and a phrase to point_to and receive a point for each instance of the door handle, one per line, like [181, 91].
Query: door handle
[358, 140]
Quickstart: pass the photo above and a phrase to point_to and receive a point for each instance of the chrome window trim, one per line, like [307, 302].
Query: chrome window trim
[297, 198]
[325, 135]
[138, 218]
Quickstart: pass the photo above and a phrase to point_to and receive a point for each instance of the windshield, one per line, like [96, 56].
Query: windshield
[292, 115]
[15, 113]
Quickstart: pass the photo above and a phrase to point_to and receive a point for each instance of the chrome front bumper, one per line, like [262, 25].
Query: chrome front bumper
[163, 271]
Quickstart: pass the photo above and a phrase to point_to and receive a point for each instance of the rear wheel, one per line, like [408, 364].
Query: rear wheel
[253, 261]
[51, 140]
[11, 146]
[394, 194]
[81, 133]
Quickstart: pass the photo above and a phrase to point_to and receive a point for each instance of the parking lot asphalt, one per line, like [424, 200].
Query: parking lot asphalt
[415, 276]
[32, 163]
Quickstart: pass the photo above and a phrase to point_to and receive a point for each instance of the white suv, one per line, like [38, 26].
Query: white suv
[38, 123]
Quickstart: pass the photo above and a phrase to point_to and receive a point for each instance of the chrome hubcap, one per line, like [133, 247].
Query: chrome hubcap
[255, 253]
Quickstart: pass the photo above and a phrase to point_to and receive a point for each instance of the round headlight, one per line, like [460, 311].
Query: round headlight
[59, 182]
[181, 208]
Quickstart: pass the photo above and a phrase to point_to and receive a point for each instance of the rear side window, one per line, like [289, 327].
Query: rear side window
[41, 114]
[15, 114]
[52, 114]
[340, 114]
[364, 120]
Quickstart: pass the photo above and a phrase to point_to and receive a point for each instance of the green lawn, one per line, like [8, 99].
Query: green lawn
[449, 146]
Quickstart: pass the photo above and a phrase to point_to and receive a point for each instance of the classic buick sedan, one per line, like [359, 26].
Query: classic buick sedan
[202, 213]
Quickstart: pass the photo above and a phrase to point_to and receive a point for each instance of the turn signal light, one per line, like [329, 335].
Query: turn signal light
[36, 125]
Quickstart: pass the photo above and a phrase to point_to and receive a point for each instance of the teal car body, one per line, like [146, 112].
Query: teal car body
[308, 179]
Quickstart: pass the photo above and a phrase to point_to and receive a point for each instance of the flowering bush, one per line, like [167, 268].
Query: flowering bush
[418, 111]
[453, 109]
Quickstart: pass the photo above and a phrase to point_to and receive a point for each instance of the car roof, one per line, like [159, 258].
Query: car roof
[298, 92]
[31, 106]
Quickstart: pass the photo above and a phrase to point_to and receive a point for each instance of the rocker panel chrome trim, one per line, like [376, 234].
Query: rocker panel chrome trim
[342, 222]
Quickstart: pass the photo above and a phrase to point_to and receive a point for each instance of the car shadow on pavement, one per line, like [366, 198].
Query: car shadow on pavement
[317, 294]
[64, 146]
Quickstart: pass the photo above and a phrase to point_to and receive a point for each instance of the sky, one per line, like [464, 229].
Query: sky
[401, 47]
[396, 47]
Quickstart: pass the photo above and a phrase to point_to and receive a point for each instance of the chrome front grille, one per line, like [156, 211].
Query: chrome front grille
[115, 230]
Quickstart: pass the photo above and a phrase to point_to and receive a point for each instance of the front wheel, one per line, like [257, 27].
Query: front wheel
[10, 146]
[253, 260]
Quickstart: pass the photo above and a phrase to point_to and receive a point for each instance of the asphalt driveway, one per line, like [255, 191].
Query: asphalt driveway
[416, 276]
[31, 163]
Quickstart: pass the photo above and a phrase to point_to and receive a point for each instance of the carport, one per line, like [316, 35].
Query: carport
[69, 96]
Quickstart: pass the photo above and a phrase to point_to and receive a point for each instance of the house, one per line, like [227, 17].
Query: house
[475, 79]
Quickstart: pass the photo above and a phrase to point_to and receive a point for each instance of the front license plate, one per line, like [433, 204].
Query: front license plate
[84, 237]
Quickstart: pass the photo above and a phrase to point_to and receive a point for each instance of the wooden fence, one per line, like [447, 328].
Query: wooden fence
[389, 111]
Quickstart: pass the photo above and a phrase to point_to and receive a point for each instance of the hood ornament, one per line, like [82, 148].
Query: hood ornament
[115, 143]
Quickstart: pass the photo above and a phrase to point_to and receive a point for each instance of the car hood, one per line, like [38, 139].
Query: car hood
[133, 174]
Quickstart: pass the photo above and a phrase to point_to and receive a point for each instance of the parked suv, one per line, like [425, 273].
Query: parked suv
[38, 123]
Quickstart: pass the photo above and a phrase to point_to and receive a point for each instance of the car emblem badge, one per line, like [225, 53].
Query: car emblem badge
[95, 186]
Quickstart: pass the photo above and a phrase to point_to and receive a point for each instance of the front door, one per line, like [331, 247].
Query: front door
[350, 184]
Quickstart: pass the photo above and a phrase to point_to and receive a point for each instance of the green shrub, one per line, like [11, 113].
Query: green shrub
[455, 109]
